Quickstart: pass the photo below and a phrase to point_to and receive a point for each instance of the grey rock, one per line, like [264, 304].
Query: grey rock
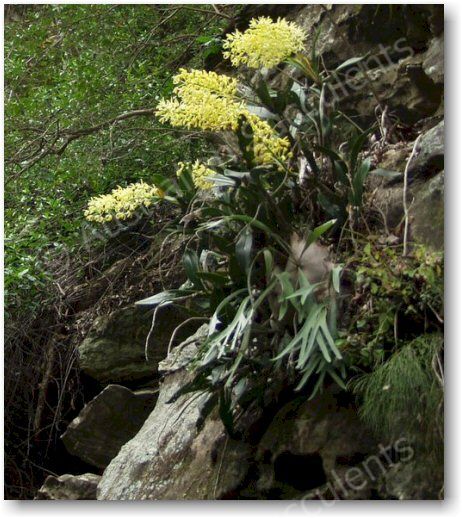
[69, 487]
[433, 63]
[405, 78]
[107, 422]
[403, 87]
[114, 350]
[429, 156]
[395, 157]
[181, 356]
[170, 459]
[309, 444]
[411, 481]
[427, 213]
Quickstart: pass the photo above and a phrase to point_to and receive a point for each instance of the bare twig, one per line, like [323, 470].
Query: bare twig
[187, 321]
[405, 205]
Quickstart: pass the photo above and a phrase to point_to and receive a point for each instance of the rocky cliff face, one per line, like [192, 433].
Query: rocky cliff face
[148, 449]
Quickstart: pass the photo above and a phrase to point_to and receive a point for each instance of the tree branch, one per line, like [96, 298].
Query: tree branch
[62, 138]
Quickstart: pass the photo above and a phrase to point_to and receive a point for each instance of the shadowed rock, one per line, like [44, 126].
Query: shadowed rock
[107, 422]
[114, 350]
[69, 487]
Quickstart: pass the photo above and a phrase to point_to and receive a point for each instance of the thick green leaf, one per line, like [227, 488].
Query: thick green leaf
[245, 140]
[319, 231]
[264, 95]
[336, 273]
[359, 180]
[355, 147]
[191, 266]
[226, 412]
[244, 246]
[164, 183]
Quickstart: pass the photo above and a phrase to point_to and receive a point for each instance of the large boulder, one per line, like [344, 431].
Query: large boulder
[170, 458]
[69, 487]
[311, 443]
[114, 349]
[107, 422]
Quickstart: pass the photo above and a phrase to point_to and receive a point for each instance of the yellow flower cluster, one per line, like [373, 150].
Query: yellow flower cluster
[208, 101]
[204, 100]
[268, 147]
[122, 203]
[199, 172]
[201, 80]
[265, 43]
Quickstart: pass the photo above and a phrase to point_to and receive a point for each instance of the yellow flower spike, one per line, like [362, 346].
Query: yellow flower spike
[265, 43]
[268, 147]
[122, 203]
[199, 172]
[203, 100]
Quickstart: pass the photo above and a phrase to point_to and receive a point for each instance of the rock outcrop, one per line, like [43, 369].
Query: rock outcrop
[427, 213]
[309, 444]
[425, 187]
[114, 350]
[69, 487]
[170, 458]
[429, 156]
[107, 422]
[404, 64]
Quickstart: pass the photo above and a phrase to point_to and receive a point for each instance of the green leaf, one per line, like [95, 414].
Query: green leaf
[164, 296]
[330, 153]
[215, 278]
[337, 379]
[349, 62]
[261, 226]
[269, 263]
[244, 246]
[186, 183]
[191, 266]
[341, 172]
[225, 411]
[319, 231]
[325, 122]
[328, 336]
[264, 95]
[355, 147]
[303, 293]
[245, 140]
[336, 273]
[164, 183]
[359, 180]
[312, 366]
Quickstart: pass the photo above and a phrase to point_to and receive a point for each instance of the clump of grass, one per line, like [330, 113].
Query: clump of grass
[403, 396]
